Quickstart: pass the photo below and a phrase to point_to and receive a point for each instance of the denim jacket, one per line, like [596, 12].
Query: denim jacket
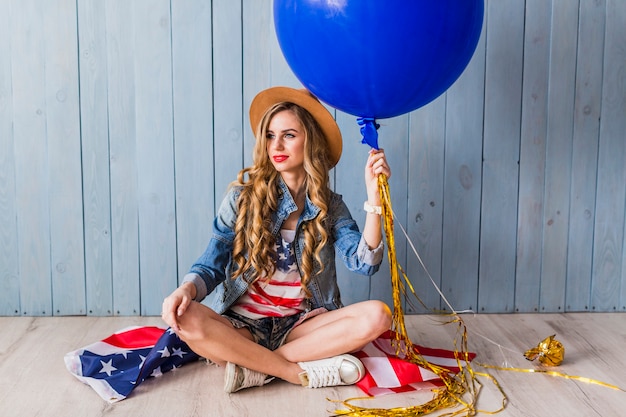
[213, 270]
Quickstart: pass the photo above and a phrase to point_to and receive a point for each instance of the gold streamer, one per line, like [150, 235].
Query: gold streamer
[460, 389]
[553, 373]
[463, 388]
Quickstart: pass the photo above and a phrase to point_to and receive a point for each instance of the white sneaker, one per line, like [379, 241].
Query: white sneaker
[237, 377]
[338, 370]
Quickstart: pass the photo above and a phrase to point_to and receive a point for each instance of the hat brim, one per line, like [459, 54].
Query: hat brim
[303, 98]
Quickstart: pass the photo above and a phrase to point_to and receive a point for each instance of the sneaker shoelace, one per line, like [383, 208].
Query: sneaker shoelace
[249, 378]
[323, 376]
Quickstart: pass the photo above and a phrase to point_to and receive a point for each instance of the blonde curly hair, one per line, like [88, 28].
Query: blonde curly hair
[253, 247]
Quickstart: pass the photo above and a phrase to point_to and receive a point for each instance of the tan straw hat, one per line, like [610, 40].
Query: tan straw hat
[303, 98]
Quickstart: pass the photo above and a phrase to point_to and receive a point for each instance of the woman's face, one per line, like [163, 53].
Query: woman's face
[285, 143]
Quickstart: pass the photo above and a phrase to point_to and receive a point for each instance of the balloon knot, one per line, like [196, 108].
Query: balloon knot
[369, 131]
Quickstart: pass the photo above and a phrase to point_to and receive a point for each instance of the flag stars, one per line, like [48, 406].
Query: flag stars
[107, 367]
[157, 372]
[143, 359]
[178, 352]
[292, 267]
[125, 353]
[165, 353]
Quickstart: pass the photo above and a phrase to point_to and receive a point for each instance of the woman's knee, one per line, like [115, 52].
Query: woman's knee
[381, 315]
[376, 317]
[196, 322]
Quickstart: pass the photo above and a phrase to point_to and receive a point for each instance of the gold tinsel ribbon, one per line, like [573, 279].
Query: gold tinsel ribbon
[461, 389]
[553, 373]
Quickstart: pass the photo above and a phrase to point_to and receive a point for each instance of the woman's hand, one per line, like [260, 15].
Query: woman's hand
[175, 305]
[376, 164]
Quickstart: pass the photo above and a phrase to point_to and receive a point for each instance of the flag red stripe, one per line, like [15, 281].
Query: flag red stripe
[406, 372]
[135, 338]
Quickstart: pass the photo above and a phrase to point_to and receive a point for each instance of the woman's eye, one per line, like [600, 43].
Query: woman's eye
[269, 136]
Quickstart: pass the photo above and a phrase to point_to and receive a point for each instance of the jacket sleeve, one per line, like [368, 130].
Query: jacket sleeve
[349, 242]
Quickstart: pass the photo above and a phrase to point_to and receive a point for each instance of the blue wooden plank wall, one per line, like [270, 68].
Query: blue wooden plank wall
[122, 123]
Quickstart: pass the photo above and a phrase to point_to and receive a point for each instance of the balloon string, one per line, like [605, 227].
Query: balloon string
[419, 258]
[500, 347]
[467, 381]
[443, 297]
[505, 366]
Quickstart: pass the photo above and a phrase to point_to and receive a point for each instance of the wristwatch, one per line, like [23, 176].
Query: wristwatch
[372, 209]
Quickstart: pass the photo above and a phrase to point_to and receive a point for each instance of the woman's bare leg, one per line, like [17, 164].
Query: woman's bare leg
[329, 334]
[345, 330]
[212, 336]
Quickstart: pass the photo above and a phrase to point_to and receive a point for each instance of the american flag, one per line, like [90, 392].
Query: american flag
[388, 373]
[116, 365]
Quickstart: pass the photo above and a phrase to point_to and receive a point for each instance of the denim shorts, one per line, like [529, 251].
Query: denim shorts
[270, 332]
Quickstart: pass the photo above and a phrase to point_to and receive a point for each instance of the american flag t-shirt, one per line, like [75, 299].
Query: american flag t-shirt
[281, 295]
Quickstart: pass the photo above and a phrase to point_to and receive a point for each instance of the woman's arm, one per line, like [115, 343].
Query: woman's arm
[376, 164]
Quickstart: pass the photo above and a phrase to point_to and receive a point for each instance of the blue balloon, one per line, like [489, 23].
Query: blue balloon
[378, 58]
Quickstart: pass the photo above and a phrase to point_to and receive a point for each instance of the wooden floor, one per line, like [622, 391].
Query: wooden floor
[34, 381]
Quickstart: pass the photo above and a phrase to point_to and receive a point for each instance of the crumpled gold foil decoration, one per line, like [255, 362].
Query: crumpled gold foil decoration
[549, 351]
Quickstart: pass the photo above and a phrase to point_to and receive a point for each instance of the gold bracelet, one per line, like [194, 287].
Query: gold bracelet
[372, 209]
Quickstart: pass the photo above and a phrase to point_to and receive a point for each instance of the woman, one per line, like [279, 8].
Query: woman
[276, 309]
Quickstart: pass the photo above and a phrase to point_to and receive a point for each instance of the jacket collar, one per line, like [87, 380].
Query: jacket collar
[287, 205]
